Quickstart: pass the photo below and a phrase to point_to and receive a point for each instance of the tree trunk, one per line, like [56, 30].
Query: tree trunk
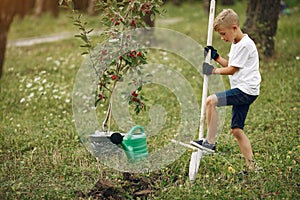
[206, 5]
[227, 2]
[8, 11]
[22, 7]
[46, 5]
[91, 7]
[38, 7]
[4, 27]
[261, 24]
[52, 5]
[81, 5]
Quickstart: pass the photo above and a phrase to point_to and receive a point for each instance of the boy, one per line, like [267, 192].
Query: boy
[243, 70]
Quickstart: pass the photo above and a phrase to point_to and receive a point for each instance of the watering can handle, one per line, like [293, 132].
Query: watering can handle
[134, 129]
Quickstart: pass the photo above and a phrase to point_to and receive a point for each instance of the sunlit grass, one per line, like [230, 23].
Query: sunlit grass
[41, 156]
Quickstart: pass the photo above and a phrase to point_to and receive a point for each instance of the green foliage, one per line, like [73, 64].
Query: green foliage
[292, 3]
[119, 17]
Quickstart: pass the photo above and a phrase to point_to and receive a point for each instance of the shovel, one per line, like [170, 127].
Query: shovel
[197, 155]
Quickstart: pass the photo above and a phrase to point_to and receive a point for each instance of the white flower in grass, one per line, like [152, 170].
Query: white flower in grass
[22, 100]
[165, 58]
[37, 79]
[57, 62]
[48, 85]
[56, 97]
[48, 59]
[28, 85]
[31, 95]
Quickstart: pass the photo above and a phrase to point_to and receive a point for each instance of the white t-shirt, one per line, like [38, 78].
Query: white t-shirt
[244, 55]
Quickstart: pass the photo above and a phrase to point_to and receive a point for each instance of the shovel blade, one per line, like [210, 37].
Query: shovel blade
[194, 164]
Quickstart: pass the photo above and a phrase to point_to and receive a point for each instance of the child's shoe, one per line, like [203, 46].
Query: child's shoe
[204, 145]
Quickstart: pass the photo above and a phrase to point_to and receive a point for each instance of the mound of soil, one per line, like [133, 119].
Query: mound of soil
[131, 186]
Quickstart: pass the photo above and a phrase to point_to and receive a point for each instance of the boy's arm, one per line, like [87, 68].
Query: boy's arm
[226, 70]
[209, 69]
[214, 55]
[222, 61]
[230, 70]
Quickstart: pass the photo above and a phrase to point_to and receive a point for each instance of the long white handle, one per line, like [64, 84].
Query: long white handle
[211, 22]
[197, 155]
[207, 59]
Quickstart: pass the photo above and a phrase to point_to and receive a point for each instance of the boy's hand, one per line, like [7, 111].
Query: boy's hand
[214, 52]
[207, 69]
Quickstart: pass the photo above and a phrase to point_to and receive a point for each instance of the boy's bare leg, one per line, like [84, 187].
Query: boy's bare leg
[245, 146]
[211, 118]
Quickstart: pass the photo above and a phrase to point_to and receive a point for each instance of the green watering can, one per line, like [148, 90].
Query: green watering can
[134, 143]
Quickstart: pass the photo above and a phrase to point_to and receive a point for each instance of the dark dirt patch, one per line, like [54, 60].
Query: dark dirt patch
[130, 186]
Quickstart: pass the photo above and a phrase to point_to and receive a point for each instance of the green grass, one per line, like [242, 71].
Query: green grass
[41, 156]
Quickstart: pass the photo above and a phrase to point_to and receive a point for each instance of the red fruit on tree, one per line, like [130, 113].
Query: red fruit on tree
[113, 77]
[133, 53]
[134, 94]
[132, 23]
[135, 99]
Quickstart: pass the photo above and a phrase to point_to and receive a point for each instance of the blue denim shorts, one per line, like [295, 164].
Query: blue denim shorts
[240, 103]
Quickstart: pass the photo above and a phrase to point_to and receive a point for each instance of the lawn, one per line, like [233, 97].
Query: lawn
[41, 154]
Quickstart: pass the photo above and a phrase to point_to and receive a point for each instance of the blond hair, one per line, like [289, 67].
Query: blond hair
[226, 18]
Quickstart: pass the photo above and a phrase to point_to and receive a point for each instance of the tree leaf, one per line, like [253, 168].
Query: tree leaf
[84, 53]
[97, 102]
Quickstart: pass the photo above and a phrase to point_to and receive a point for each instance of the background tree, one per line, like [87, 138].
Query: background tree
[46, 5]
[91, 7]
[227, 2]
[261, 24]
[8, 9]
